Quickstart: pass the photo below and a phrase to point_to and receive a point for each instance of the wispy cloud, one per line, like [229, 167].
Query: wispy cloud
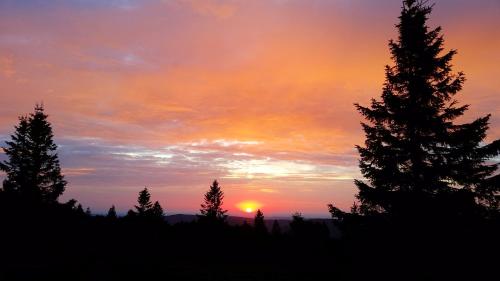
[173, 94]
[221, 9]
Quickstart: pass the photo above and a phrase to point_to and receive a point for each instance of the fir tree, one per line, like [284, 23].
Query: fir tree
[32, 167]
[336, 213]
[297, 225]
[112, 213]
[415, 156]
[71, 204]
[144, 203]
[17, 168]
[157, 211]
[145, 209]
[79, 210]
[259, 223]
[211, 209]
[355, 209]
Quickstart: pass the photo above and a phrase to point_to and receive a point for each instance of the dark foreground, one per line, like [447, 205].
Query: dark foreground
[55, 243]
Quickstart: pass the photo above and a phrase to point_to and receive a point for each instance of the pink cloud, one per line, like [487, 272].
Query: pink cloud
[263, 88]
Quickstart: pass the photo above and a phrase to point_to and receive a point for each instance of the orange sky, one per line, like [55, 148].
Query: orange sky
[258, 94]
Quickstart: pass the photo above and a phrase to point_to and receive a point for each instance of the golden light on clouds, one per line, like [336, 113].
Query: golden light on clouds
[258, 94]
[249, 206]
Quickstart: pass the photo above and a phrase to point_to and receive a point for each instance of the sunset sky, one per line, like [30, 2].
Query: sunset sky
[258, 94]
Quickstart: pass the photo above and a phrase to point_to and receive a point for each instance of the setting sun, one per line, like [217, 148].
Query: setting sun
[248, 206]
[250, 139]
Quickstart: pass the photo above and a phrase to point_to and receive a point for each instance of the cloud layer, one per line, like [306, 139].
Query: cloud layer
[172, 94]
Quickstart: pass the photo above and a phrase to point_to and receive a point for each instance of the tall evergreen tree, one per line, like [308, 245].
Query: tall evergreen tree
[298, 225]
[79, 210]
[17, 167]
[211, 209]
[336, 213]
[259, 223]
[145, 209]
[144, 203]
[157, 211]
[415, 156]
[32, 168]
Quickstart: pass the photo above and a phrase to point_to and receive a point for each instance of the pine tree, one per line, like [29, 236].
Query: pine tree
[336, 213]
[32, 167]
[144, 203]
[415, 157]
[259, 223]
[71, 204]
[112, 213]
[17, 167]
[355, 209]
[145, 209]
[157, 211]
[297, 225]
[79, 210]
[211, 209]
[88, 212]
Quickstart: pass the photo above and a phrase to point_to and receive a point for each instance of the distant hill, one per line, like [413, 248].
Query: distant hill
[232, 220]
[178, 218]
[284, 223]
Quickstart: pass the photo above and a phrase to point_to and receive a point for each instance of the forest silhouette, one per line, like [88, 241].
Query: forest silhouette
[427, 208]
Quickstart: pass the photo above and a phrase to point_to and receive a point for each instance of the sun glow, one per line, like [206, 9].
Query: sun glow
[248, 206]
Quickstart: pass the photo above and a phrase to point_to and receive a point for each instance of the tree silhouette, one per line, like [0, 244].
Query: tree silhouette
[88, 212]
[211, 209]
[112, 213]
[131, 214]
[336, 213]
[16, 167]
[145, 209]
[157, 211]
[32, 167]
[415, 157]
[297, 217]
[144, 203]
[297, 225]
[79, 210]
[259, 223]
[355, 208]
